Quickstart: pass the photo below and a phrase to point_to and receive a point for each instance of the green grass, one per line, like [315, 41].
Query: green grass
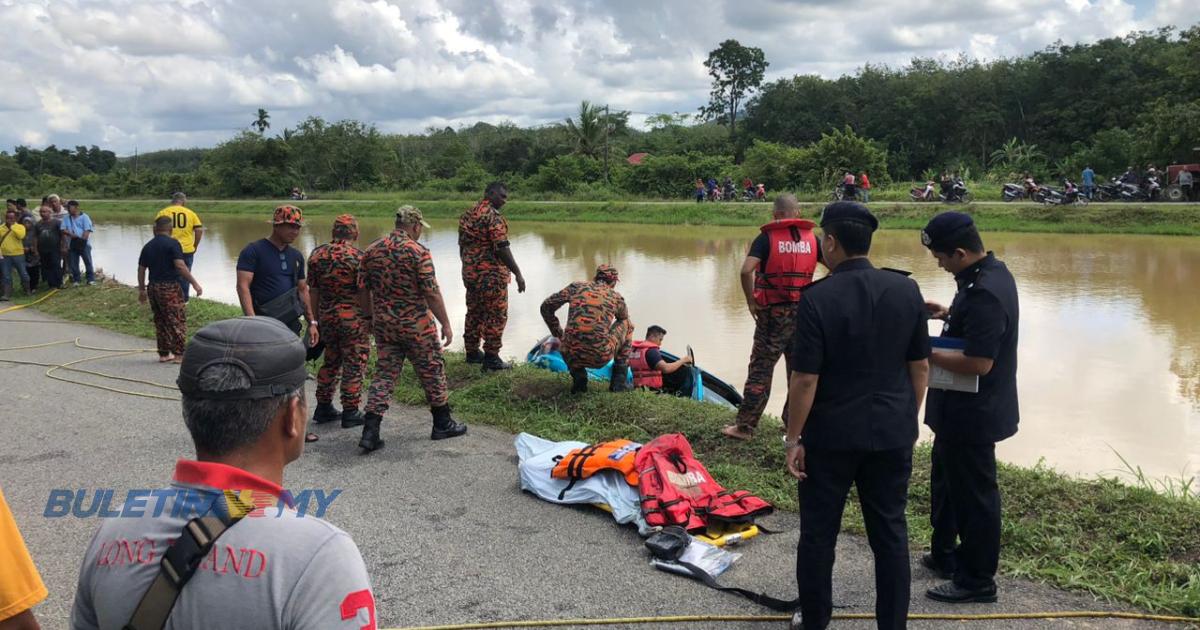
[1169, 219]
[1123, 543]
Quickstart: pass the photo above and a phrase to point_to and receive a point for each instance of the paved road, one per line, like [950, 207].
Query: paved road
[446, 534]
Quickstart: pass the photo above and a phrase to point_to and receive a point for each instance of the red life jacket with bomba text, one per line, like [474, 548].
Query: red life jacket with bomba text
[676, 489]
[790, 265]
[644, 374]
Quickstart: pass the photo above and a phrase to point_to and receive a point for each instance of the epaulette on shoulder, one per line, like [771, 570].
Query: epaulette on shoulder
[814, 283]
[899, 271]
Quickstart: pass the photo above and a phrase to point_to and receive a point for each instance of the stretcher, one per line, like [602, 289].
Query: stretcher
[717, 535]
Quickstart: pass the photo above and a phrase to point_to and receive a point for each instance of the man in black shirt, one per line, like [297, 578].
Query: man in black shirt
[49, 244]
[965, 496]
[859, 373]
[163, 258]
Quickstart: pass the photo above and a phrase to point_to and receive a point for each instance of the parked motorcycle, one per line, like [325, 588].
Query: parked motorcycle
[919, 193]
[958, 193]
[1013, 192]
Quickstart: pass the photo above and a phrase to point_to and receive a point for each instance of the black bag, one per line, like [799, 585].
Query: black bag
[286, 307]
[77, 245]
[668, 545]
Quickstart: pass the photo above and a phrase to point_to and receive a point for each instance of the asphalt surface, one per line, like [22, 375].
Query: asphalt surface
[446, 533]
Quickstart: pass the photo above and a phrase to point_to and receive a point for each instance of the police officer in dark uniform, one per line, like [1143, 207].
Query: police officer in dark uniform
[965, 509]
[860, 370]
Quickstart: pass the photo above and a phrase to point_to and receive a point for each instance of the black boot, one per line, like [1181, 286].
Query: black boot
[474, 356]
[619, 381]
[579, 381]
[493, 363]
[351, 417]
[370, 437]
[326, 412]
[444, 426]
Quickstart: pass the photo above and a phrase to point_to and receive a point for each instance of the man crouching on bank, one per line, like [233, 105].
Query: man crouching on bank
[243, 403]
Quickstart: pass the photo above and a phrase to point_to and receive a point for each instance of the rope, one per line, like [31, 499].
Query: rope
[69, 366]
[550, 623]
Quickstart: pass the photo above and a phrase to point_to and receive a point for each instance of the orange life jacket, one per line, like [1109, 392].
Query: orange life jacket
[644, 374]
[676, 489]
[581, 463]
[790, 265]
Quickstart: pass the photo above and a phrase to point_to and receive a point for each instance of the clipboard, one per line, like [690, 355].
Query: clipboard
[940, 378]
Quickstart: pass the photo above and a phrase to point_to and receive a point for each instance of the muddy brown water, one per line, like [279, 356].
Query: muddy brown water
[1110, 326]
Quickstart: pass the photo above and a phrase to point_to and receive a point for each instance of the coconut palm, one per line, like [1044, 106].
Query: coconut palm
[589, 130]
[261, 123]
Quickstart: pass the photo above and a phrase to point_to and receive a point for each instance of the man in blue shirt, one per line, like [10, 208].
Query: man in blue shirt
[270, 275]
[1089, 181]
[78, 227]
[163, 257]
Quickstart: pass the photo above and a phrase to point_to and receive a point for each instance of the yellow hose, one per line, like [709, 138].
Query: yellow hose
[550, 623]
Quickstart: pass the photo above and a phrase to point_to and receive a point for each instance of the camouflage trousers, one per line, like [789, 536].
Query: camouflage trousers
[584, 353]
[170, 317]
[425, 353]
[487, 311]
[347, 346]
[772, 337]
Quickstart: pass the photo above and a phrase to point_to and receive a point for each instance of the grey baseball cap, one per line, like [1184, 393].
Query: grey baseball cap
[270, 354]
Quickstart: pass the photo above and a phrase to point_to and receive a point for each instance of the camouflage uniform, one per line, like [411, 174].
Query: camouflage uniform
[772, 334]
[598, 326]
[170, 317]
[333, 272]
[399, 273]
[481, 231]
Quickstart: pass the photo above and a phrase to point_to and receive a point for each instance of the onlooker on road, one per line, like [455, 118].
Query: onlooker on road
[333, 271]
[699, 190]
[242, 382]
[1185, 184]
[12, 255]
[51, 245]
[1130, 176]
[860, 372]
[780, 263]
[598, 329]
[163, 258]
[185, 228]
[78, 227]
[32, 262]
[652, 371]
[487, 262]
[20, 585]
[965, 510]
[849, 190]
[57, 210]
[1089, 181]
[397, 277]
[864, 186]
[270, 275]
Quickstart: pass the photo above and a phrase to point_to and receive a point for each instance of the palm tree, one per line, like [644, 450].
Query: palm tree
[589, 131]
[261, 122]
[1015, 154]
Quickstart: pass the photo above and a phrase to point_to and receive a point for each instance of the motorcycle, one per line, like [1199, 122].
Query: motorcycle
[748, 195]
[958, 194]
[1108, 191]
[1013, 192]
[920, 194]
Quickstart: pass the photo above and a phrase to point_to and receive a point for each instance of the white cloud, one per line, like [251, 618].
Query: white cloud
[153, 74]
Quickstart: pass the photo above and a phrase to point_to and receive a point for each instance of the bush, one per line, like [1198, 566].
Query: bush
[672, 176]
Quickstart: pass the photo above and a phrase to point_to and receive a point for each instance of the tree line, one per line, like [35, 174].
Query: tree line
[1108, 104]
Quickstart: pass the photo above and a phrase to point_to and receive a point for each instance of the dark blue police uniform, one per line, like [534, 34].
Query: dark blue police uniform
[965, 495]
[858, 329]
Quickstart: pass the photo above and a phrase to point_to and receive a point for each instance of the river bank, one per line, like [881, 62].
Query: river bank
[1119, 542]
[1160, 218]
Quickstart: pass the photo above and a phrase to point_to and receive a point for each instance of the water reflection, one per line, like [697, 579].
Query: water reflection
[1110, 340]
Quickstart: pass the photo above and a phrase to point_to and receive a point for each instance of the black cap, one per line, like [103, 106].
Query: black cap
[266, 350]
[848, 211]
[944, 226]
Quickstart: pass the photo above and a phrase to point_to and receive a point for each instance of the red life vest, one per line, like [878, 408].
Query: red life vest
[644, 374]
[790, 264]
[676, 489]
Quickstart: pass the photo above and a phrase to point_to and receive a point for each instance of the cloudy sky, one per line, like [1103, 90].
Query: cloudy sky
[156, 74]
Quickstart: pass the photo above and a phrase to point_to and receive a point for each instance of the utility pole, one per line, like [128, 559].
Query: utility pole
[606, 123]
[135, 161]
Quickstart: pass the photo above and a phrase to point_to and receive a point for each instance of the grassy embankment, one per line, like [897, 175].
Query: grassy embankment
[1161, 218]
[1122, 543]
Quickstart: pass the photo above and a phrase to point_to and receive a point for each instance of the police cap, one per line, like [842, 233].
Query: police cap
[945, 226]
[848, 211]
[268, 352]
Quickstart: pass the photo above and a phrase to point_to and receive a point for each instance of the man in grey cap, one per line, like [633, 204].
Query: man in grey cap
[266, 565]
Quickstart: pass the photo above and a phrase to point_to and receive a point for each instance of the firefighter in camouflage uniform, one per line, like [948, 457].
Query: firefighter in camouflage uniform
[397, 278]
[780, 263]
[333, 289]
[598, 328]
[487, 262]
